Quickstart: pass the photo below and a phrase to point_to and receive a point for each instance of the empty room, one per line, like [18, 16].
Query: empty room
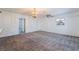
[39, 29]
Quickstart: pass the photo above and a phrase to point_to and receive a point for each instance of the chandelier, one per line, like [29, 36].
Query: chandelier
[34, 13]
[37, 12]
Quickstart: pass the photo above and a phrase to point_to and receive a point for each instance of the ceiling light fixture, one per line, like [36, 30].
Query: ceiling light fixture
[34, 13]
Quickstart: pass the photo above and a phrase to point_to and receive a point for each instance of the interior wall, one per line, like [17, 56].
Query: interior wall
[9, 23]
[32, 24]
[71, 26]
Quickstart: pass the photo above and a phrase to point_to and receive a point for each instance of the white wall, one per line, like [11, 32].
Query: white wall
[32, 24]
[9, 23]
[71, 26]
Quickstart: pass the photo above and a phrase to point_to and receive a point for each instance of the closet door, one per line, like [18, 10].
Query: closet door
[21, 25]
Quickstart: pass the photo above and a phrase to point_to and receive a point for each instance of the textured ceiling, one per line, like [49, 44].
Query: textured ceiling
[41, 11]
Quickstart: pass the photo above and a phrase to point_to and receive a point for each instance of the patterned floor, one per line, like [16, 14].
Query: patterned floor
[39, 41]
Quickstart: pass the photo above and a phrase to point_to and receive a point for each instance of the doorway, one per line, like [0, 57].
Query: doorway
[21, 25]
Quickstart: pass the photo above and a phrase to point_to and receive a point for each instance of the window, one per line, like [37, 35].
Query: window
[60, 21]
